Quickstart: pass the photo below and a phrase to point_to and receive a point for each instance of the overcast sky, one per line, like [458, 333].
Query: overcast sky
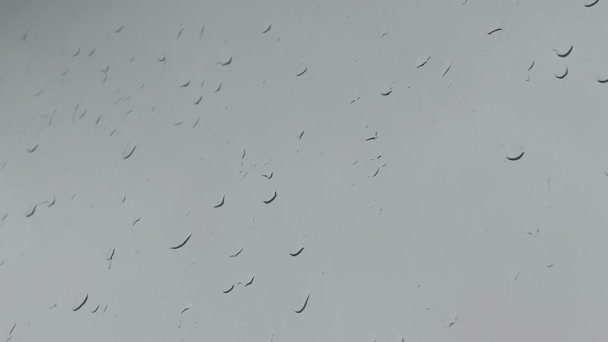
[161, 160]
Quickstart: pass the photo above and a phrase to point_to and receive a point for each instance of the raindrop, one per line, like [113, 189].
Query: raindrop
[226, 62]
[563, 74]
[591, 4]
[386, 92]
[602, 75]
[130, 152]
[446, 69]
[183, 243]
[422, 60]
[564, 52]
[81, 302]
[304, 306]
[32, 149]
[30, 211]
[494, 31]
[229, 289]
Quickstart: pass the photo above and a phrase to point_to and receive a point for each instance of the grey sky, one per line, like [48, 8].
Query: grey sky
[433, 232]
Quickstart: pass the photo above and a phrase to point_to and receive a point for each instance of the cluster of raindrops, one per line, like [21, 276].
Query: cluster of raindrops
[264, 184]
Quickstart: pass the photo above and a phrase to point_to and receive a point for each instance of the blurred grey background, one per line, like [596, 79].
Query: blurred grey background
[384, 128]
